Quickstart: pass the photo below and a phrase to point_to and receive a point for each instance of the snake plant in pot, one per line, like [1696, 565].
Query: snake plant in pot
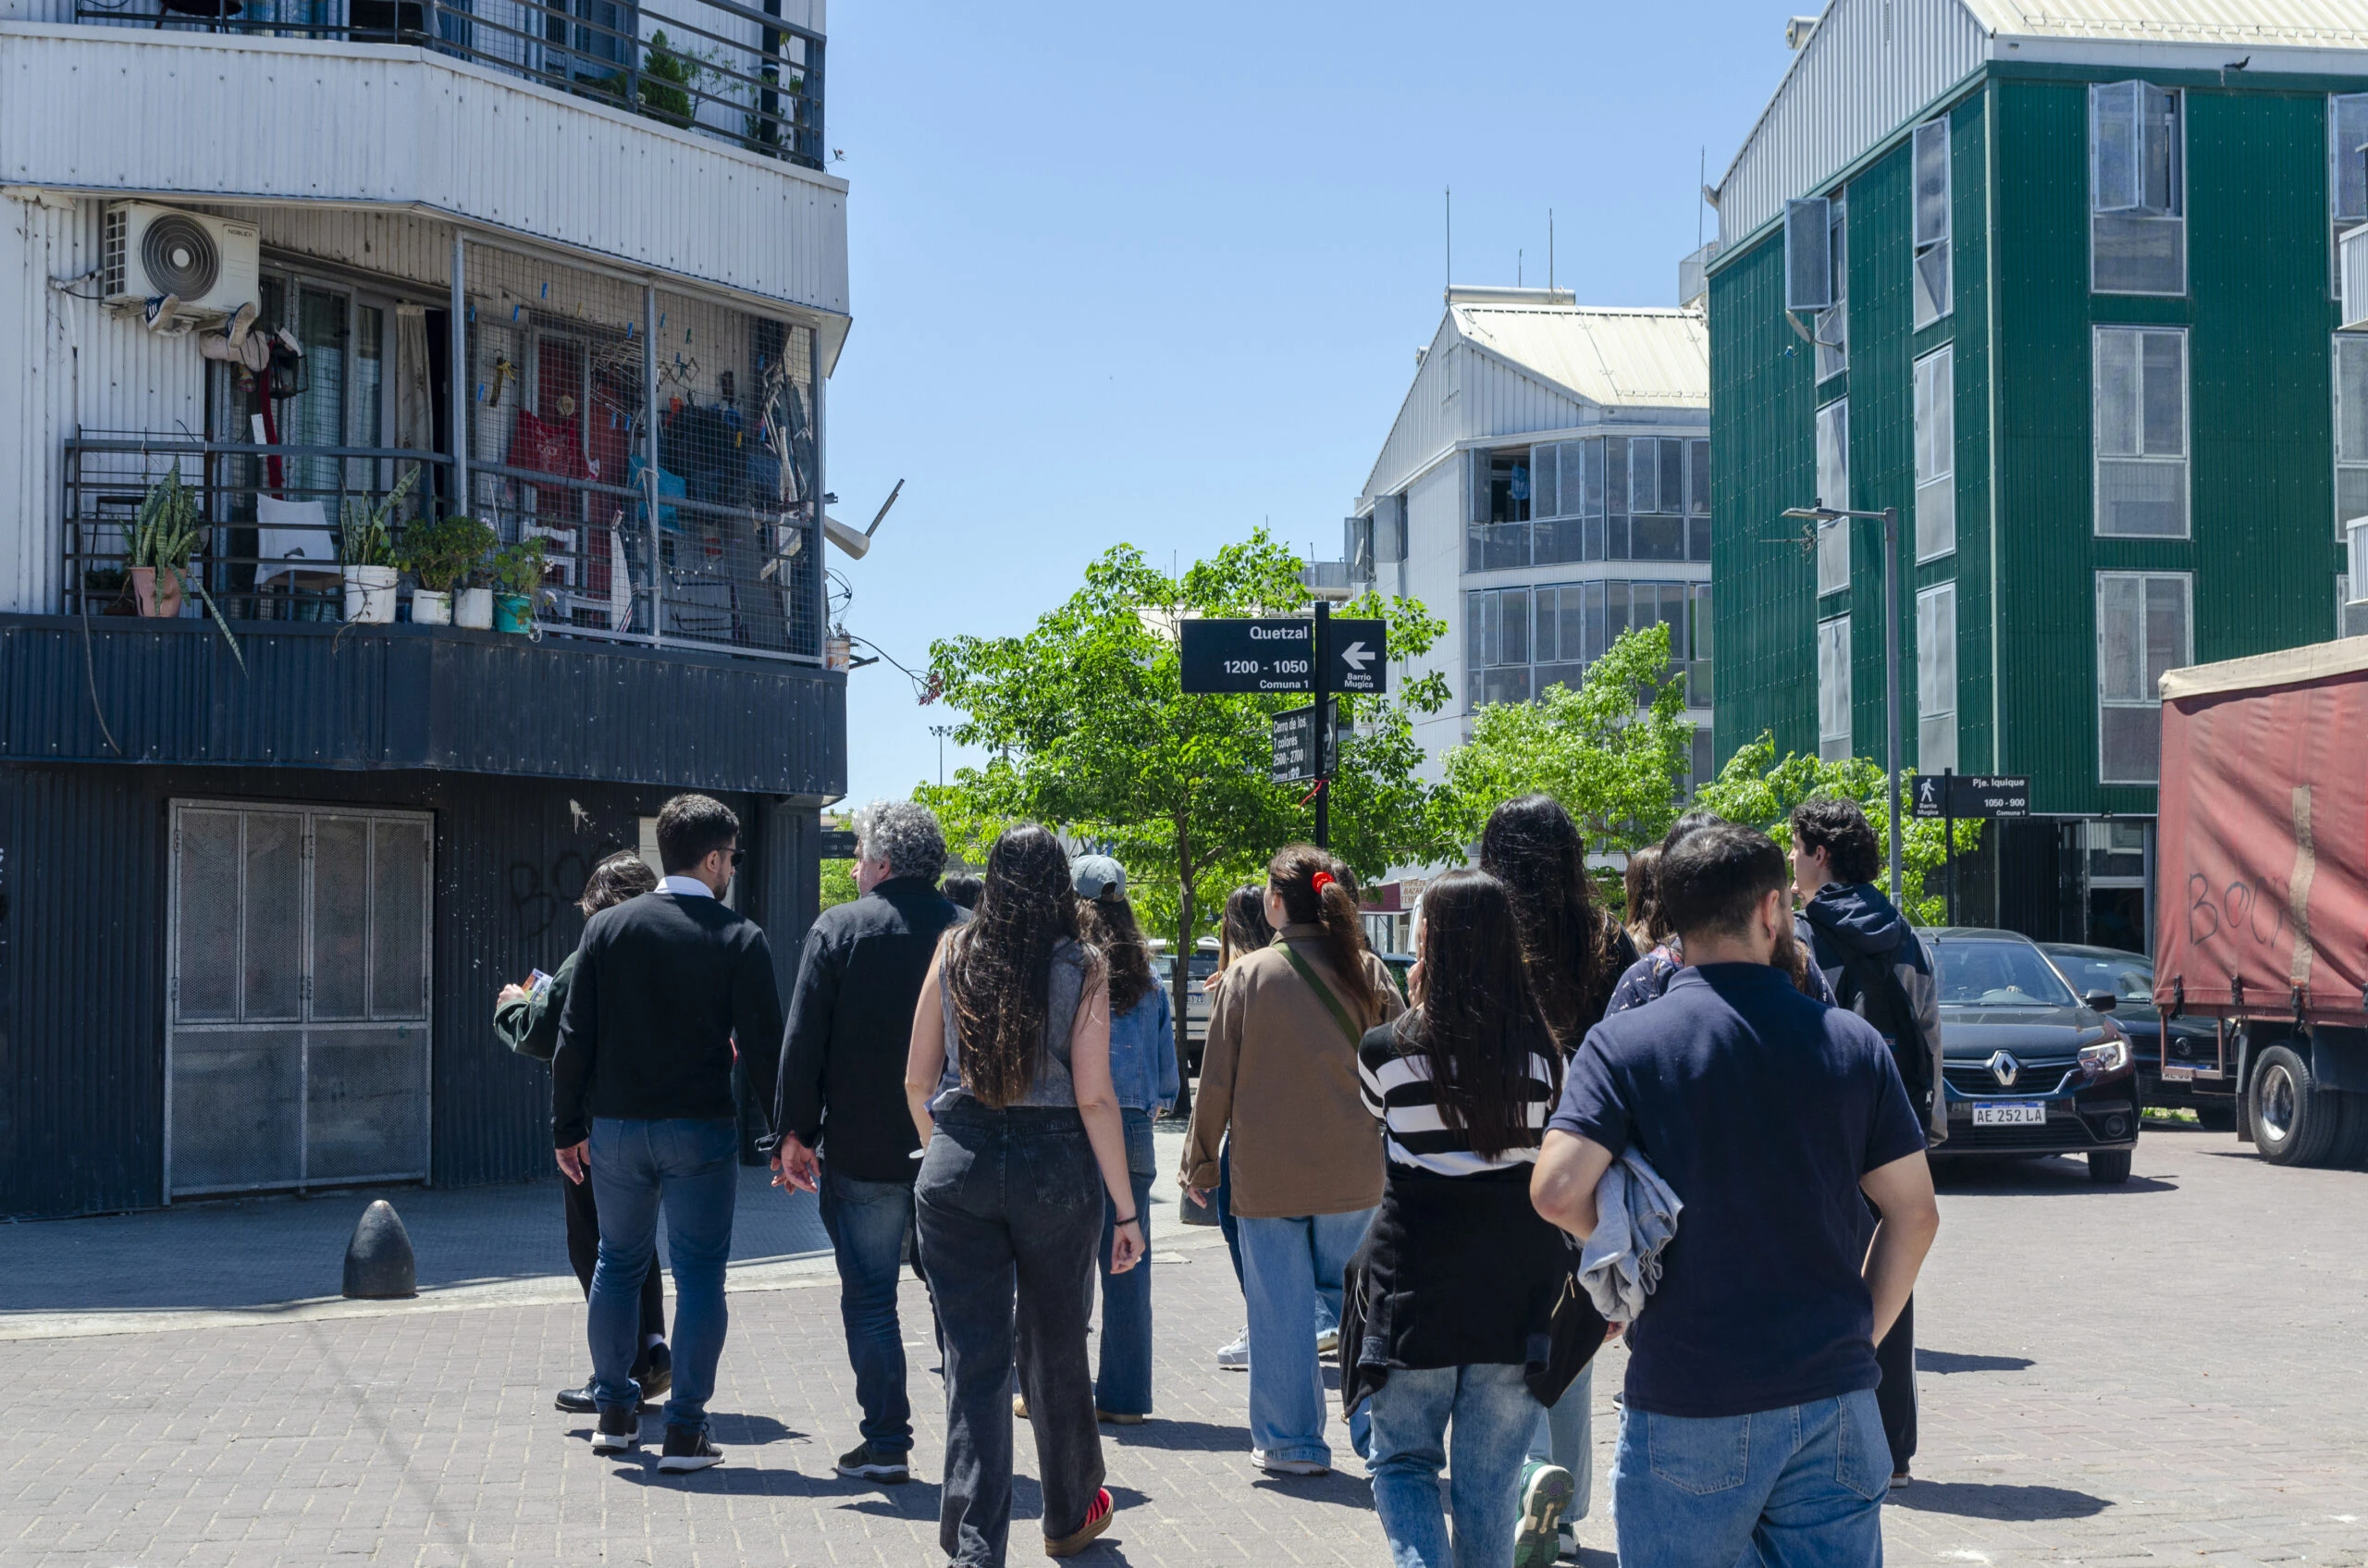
[367, 553]
[164, 538]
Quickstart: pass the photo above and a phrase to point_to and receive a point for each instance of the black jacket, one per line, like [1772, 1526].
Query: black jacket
[663, 984]
[529, 1025]
[1878, 968]
[851, 1023]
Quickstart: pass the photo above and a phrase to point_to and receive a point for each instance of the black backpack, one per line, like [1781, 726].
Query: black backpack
[1870, 988]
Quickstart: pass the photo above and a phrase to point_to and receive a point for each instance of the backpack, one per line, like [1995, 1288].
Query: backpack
[1870, 988]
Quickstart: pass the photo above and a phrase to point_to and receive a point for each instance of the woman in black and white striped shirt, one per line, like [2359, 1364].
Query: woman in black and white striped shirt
[1458, 1276]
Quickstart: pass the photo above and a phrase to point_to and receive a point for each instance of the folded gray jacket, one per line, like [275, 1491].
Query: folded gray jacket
[1635, 1217]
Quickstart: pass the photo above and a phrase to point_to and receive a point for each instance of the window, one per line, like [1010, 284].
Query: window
[2350, 428]
[2142, 432]
[1833, 689]
[1697, 625]
[1832, 328]
[1936, 678]
[1521, 641]
[2142, 631]
[2137, 189]
[2351, 618]
[1498, 534]
[1833, 490]
[1933, 299]
[1497, 644]
[2347, 168]
[1936, 439]
[1620, 498]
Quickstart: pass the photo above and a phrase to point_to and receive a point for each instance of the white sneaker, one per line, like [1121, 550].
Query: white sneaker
[1328, 1342]
[1287, 1466]
[1235, 1357]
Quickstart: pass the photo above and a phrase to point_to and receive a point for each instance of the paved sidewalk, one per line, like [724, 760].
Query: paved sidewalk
[2165, 1373]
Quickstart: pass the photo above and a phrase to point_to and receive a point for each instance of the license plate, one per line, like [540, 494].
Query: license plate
[2010, 1113]
[2174, 1074]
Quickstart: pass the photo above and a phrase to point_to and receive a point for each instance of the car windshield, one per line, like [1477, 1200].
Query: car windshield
[1997, 974]
[2129, 977]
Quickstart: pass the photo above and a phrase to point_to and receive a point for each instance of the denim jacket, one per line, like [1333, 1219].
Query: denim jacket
[1142, 1054]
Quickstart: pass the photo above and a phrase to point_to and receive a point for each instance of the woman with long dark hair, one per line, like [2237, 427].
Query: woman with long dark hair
[1008, 1079]
[1457, 1283]
[1278, 1077]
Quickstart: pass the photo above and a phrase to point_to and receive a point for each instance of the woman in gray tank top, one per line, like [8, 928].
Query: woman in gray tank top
[1008, 1078]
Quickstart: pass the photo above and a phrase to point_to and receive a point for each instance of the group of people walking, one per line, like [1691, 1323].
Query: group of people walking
[1411, 1177]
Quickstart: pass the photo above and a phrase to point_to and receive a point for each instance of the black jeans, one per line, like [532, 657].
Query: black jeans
[1897, 1395]
[1011, 1201]
[583, 1250]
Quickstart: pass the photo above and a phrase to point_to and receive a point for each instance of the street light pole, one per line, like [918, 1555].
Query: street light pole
[1889, 516]
[940, 732]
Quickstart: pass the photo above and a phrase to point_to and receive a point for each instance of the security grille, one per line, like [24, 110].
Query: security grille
[296, 1042]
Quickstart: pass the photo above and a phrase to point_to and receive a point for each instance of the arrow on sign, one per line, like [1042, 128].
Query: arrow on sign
[1355, 657]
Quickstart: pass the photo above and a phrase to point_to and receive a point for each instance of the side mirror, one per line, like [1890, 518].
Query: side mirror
[2101, 1001]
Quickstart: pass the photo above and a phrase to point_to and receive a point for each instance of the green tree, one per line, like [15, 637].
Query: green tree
[838, 883]
[1091, 732]
[1756, 787]
[1610, 751]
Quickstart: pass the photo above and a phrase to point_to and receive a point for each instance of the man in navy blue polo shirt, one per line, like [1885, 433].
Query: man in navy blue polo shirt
[1750, 1414]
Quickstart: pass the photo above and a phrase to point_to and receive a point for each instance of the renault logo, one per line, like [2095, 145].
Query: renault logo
[2006, 1069]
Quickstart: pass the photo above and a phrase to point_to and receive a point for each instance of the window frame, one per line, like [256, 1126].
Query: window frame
[2186, 656]
[2099, 457]
[2176, 193]
[1920, 244]
[2358, 341]
[1932, 372]
[1833, 350]
[2338, 219]
[1929, 631]
[1832, 656]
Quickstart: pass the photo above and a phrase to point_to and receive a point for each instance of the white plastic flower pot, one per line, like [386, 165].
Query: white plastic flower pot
[370, 595]
[429, 608]
[473, 609]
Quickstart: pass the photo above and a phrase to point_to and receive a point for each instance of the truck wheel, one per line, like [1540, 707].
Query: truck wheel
[2295, 1121]
[2109, 1167]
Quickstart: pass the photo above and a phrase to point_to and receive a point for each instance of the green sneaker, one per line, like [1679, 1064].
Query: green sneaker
[1545, 1492]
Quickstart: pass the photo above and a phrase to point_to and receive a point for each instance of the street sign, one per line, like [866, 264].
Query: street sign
[1358, 655]
[1294, 730]
[838, 843]
[1248, 656]
[1969, 794]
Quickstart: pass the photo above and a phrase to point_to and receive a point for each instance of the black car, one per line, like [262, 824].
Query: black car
[2029, 1068]
[2185, 1069]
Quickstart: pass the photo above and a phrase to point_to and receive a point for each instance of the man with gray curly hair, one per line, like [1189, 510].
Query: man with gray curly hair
[846, 1134]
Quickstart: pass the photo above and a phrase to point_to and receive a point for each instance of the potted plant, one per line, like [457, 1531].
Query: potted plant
[163, 539]
[367, 554]
[517, 578]
[440, 555]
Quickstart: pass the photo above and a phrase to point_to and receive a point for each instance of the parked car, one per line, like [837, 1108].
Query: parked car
[1196, 1001]
[1400, 965]
[2027, 1067]
[2183, 1070]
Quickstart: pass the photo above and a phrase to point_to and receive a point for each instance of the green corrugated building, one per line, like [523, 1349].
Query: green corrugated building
[2065, 292]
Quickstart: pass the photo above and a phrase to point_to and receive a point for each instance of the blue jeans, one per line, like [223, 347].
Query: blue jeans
[693, 1168]
[1488, 1413]
[1801, 1487]
[867, 1222]
[1290, 1271]
[1565, 1436]
[1123, 1384]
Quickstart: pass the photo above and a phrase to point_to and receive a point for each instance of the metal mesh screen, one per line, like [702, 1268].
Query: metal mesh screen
[341, 917]
[366, 1113]
[205, 960]
[238, 1108]
[271, 912]
[398, 919]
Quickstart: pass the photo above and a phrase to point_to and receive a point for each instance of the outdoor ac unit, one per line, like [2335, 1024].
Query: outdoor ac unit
[209, 264]
[2357, 578]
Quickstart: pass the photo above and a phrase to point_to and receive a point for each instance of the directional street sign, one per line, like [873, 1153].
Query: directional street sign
[1277, 655]
[1969, 794]
[1295, 745]
[1358, 655]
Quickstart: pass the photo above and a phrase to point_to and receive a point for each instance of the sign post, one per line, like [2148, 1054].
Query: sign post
[1323, 727]
[1949, 795]
[1317, 655]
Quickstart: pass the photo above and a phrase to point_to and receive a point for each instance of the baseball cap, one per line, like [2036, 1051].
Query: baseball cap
[1098, 876]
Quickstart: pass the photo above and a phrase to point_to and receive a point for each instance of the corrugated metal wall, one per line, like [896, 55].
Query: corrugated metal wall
[1969, 329]
[1882, 431]
[83, 867]
[1872, 67]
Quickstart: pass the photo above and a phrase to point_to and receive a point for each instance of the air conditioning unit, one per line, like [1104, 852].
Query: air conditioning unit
[210, 264]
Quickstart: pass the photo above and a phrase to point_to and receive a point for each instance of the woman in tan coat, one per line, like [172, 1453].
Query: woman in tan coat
[1280, 1071]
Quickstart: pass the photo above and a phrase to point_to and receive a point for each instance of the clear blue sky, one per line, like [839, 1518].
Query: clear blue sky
[1156, 274]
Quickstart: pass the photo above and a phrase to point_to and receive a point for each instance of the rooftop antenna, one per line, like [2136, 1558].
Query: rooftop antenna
[1517, 280]
[1549, 249]
[1450, 236]
[1701, 182]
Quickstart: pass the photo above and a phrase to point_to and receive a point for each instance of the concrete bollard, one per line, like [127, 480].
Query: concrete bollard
[378, 1264]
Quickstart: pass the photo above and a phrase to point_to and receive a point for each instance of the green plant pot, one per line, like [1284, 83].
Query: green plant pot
[514, 613]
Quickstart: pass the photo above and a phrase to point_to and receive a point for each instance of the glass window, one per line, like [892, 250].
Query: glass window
[2347, 169]
[2142, 432]
[1936, 678]
[1996, 974]
[1544, 492]
[1833, 689]
[1644, 474]
[2137, 189]
[1936, 437]
[2143, 631]
[2350, 428]
[2350, 619]
[1498, 534]
[1699, 689]
[1933, 299]
[1833, 327]
[1833, 490]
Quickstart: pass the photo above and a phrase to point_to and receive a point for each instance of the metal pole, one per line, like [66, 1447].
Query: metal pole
[463, 392]
[1322, 719]
[1890, 681]
[650, 456]
[1949, 843]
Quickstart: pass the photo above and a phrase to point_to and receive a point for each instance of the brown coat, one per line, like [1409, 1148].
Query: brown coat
[1278, 1068]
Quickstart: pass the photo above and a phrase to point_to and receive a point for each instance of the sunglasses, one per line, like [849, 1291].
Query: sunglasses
[737, 856]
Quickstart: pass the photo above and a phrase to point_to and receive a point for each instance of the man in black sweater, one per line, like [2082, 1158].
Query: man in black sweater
[641, 1093]
[842, 1092]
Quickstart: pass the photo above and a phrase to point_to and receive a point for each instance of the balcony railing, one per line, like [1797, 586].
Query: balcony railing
[702, 573]
[732, 71]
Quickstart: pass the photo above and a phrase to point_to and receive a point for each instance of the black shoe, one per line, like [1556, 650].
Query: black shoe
[619, 1432]
[687, 1449]
[576, 1402]
[656, 1374]
[864, 1462]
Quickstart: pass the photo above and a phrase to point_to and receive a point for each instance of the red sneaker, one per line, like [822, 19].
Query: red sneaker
[1097, 1519]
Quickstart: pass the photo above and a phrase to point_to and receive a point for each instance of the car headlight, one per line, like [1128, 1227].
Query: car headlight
[2106, 1057]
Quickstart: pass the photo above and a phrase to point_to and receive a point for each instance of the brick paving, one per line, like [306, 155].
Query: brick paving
[2169, 1372]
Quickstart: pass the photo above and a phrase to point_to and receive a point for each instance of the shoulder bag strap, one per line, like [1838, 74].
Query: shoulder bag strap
[1324, 994]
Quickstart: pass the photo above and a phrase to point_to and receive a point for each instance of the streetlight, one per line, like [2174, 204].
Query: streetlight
[1889, 516]
[940, 731]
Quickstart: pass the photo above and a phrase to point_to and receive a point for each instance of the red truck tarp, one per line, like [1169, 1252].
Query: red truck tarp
[2262, 850]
